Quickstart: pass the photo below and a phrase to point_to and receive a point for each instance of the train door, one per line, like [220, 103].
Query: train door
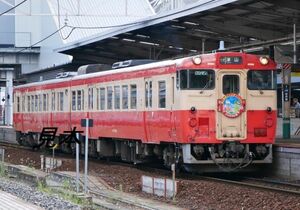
[231, 117]
[148, 113]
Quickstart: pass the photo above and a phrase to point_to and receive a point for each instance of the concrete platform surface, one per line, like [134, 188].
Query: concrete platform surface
[11, 202]
[295, 125]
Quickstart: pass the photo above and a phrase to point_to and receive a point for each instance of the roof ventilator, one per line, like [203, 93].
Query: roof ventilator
[128, 63]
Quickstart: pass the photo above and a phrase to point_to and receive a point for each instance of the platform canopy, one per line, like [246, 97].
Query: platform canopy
[242, 24]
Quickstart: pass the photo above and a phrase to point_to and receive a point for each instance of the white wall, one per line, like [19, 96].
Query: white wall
[34, 21]
[34, 27]
[7, 25]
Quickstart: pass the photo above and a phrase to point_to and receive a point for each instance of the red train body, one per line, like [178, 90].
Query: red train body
[207, 109]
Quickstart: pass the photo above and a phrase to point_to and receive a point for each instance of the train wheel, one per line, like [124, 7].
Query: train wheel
[21, 138]
[169, 155]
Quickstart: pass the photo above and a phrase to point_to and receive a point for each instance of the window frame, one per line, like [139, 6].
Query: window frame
[238, 83]
[125, 99]
[159, 94]
[102, 98]
[109, 97]
[273, 82]
[133, 97]
[179, 82]
[74, 100]
[117, 97]
[90, 98]
[79, 100]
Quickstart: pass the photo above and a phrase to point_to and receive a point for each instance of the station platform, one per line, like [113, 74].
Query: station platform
[11, 202]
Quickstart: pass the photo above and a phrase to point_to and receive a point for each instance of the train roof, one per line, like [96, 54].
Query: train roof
[178, 62]
[103, 73]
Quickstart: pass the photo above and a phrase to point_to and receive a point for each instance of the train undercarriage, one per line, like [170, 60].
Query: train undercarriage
[227, 156]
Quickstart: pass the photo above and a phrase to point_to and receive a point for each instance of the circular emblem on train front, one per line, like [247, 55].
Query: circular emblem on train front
[232, 105]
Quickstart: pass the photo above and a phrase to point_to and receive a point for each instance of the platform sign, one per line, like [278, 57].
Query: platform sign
[296, 67]
[286, 92]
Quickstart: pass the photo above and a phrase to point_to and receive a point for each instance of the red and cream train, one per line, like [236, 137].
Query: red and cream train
[205, 110]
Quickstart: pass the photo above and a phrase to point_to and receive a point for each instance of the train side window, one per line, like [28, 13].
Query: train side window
[32, 104]
[53, 101]
[102, 98]
[82, 100]
[36, 103]
[18, 104]
[28, 104]
[44, 102]
[183, 79]
[91, 99]
[98, 98]
[73, 100]
[117, 97]
[79, 98]
[231, 84]
[148, 94]
[162, 94]
[262, 80]
[125, 97]
[61, 101]
[109, 97]
[57, 102]
[41, 102]
[133, 96]
[23, 103]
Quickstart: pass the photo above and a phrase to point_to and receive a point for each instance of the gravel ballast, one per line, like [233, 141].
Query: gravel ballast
[192, 194]
[32, 195]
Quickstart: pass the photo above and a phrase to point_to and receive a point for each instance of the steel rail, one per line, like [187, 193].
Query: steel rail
[274, 182]
[120, 200]
[252, 185]
[13, 145]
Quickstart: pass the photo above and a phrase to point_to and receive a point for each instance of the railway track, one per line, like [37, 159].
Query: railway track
[13, 145]
[258, 183]
[265, 184]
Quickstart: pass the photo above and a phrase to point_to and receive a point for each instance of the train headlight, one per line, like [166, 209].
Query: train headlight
[197, 60]
[263, 60]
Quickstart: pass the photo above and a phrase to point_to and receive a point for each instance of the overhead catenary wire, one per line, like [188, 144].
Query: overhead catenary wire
[87, 27]
[73, 28]
[47, 37]
[12, 8]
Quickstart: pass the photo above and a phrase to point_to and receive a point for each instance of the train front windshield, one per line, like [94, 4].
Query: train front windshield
[262, 80]
[196, 79]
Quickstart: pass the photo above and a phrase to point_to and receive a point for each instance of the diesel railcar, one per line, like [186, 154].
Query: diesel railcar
[215, 109]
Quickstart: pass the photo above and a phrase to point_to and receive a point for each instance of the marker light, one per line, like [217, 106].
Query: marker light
[197, 60]
[264, 60]
[193, 122]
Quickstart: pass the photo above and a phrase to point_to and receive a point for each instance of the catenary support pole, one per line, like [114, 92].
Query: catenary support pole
[86, 155]
[77, 164]
[286, 93]
[295, 45]
[9, 98]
